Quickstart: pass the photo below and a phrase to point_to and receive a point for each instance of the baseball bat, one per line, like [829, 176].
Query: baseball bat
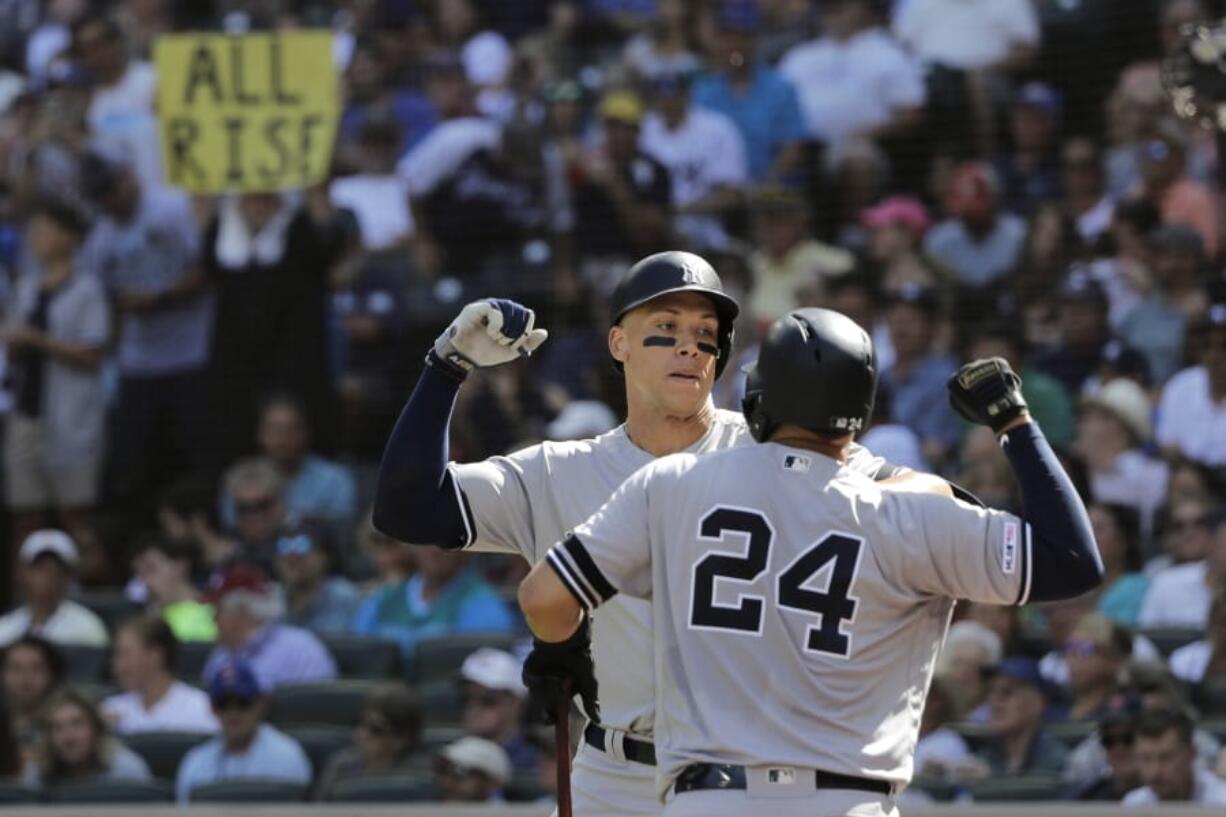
[562, 741]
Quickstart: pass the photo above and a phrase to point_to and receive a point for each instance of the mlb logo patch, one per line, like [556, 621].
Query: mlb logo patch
[1008, 553]
[796, 462]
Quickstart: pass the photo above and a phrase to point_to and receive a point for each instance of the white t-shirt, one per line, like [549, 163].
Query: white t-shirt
[1189, 662]
[1207, 790]
[487, 58]
[443, 150]
[849, 87]
[1189, 420]
[943, 746]
[69, 624]
[381, 205]
[182, 709]
[966, 33]
[121, 120]
[1177, 597]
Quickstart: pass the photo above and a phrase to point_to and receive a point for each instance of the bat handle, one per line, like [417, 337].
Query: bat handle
[562, 740]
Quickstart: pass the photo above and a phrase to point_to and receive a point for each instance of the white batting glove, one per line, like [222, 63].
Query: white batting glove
[487, 333]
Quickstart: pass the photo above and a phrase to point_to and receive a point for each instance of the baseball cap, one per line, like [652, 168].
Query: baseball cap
[494, 669]
[236, 578]
[622, 106]
[233, 679]
[1023, 670]
[739, 15]
[473, 754]
[1080, 287]
[897, 210]
[49, 541]
[1123, 399]
[1038, 95]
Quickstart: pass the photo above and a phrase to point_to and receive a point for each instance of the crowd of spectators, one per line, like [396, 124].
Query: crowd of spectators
[196, 390]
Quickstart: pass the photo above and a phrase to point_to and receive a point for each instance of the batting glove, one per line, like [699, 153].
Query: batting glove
[556, 672]
[987, 392]
[487, 333]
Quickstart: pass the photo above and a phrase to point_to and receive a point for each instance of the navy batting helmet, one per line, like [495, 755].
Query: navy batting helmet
[675, 271]
[816, 369]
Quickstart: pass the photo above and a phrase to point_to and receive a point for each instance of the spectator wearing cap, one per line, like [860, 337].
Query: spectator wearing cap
[896, 226]
[75, 745]
[445, 596]
[757, 98]
[1085, 196]
[981, 243]
[980, 35]
[1048, 402]
[1156, 325]
[855, 79]
[1017, 742]
[48, 562]
[1116, 530]
[164, 568]
[1167, 762]
[472, 770]
[705, 156]
[667, 43]
[494, 699]
[1030, 171]
[1192, 409]
[153, 700]
[248, 608]
[916, 378]
[1084, 339]
[31, 669]
[786, 256]
[385, 739]
[1181, 595]
[1115, 736]
[1205, 659]
[145, 249]
[621, 195]
[1113, 430]
[1165, 183]
[247, 746]
[314, 600]
[58, 326]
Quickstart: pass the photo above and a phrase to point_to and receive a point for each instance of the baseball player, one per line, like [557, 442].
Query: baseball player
[798, 606]
[671, 334]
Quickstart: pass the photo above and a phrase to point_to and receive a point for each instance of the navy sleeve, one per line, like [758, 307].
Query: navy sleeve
[1064, 559]
[415, 500]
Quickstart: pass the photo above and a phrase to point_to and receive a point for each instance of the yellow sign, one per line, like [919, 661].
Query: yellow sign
[250, 112]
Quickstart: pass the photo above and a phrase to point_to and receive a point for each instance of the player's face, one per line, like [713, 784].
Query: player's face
[669, 347]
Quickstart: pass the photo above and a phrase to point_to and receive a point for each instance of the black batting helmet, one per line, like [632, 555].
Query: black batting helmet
[675, 271]
[816, 369]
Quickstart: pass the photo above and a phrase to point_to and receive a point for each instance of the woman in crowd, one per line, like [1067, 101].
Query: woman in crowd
[387, 735]
[74, 745]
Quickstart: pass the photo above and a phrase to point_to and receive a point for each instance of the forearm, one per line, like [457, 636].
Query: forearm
[78, 356]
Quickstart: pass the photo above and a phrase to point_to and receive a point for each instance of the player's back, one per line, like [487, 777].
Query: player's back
[799, 608]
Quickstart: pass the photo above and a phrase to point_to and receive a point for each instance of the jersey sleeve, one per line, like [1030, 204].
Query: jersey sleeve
[611, 551]
[495, 501]
[946, 547]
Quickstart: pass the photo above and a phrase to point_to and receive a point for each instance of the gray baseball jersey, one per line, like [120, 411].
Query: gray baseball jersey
[525, 502]
[799, 607]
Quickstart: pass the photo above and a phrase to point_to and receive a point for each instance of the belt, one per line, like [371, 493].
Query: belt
[633, 749]
[702, 776]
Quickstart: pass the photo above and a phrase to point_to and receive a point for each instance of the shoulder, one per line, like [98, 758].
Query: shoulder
[1178, 576]
[185, 695]
[127, 764]
[798, 55]
[322, 468]
[201, 755]
[119, 704]
[713, 122]
[79, 615]
[1191, 380]
[299, 638]
[1139, 796]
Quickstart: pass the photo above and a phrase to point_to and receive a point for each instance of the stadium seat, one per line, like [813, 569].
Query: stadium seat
[96, 692]
[1019, 788]
[335, 703]
[190, 658]
[1215, 727]
[1169, 639]
[361, 657]
[442, 703]
[973, 733]
[437, 659]
[13, 793]
[1071, 733]
[162, 751]
[320, 742]
[84, 663]
[253, 790]
[434, 738]
[1210, 698]
[524, 788]
[113, 791]
[112, 606]
[384, 789]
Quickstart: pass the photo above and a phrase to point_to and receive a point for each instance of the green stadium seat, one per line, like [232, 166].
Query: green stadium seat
[1018, 789]
[113, 791]
[163, 751]
[190, 658]
[335, 703]
[1169, 639]
[85, 664]
[13, 793]
[438, 659]
[320, 742]
[1071, 733]
[1210, 698]
[112, 606]
[384, 789]
[253, 790]
[434, 738]
[362, 657]
[442, 703]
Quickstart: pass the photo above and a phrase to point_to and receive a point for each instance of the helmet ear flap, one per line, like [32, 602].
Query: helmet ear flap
[756, 417]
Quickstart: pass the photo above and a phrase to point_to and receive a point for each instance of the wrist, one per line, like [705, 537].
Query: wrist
[1017, 422]
[448, 368]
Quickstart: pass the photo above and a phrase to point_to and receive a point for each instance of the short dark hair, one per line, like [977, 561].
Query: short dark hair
[1154, 723]
[51, 655]
[155, 633]
[286, 399]
[190, 496]
[175, 551]
[67, 215]
[400, 706]
[109, 25]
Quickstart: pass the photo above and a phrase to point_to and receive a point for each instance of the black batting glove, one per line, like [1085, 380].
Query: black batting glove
[987, 392]
[555, 672]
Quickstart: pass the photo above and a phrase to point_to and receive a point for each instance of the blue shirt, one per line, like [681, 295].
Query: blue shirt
[468, 604]
[321, 489]
[279, 654]
[767, 113]
[1121, 602]
[332, 610]
[414, 114]
[920, 401]
[271, 755]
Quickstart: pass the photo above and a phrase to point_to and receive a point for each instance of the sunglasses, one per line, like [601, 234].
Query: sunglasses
[1109, 739]
[255, 506]
[376, 728]
[485, 700]
[232, 702]
[1081, 647]
[299, 544]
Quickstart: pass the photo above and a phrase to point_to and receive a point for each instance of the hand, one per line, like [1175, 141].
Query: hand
[554, 673]
[487, 333]
[988, 393]
[136, 301]
[22, 337]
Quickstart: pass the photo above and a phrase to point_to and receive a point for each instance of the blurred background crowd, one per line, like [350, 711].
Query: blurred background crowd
[196, 391]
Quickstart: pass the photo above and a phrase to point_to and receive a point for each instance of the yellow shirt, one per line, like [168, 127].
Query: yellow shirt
[775, 280]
